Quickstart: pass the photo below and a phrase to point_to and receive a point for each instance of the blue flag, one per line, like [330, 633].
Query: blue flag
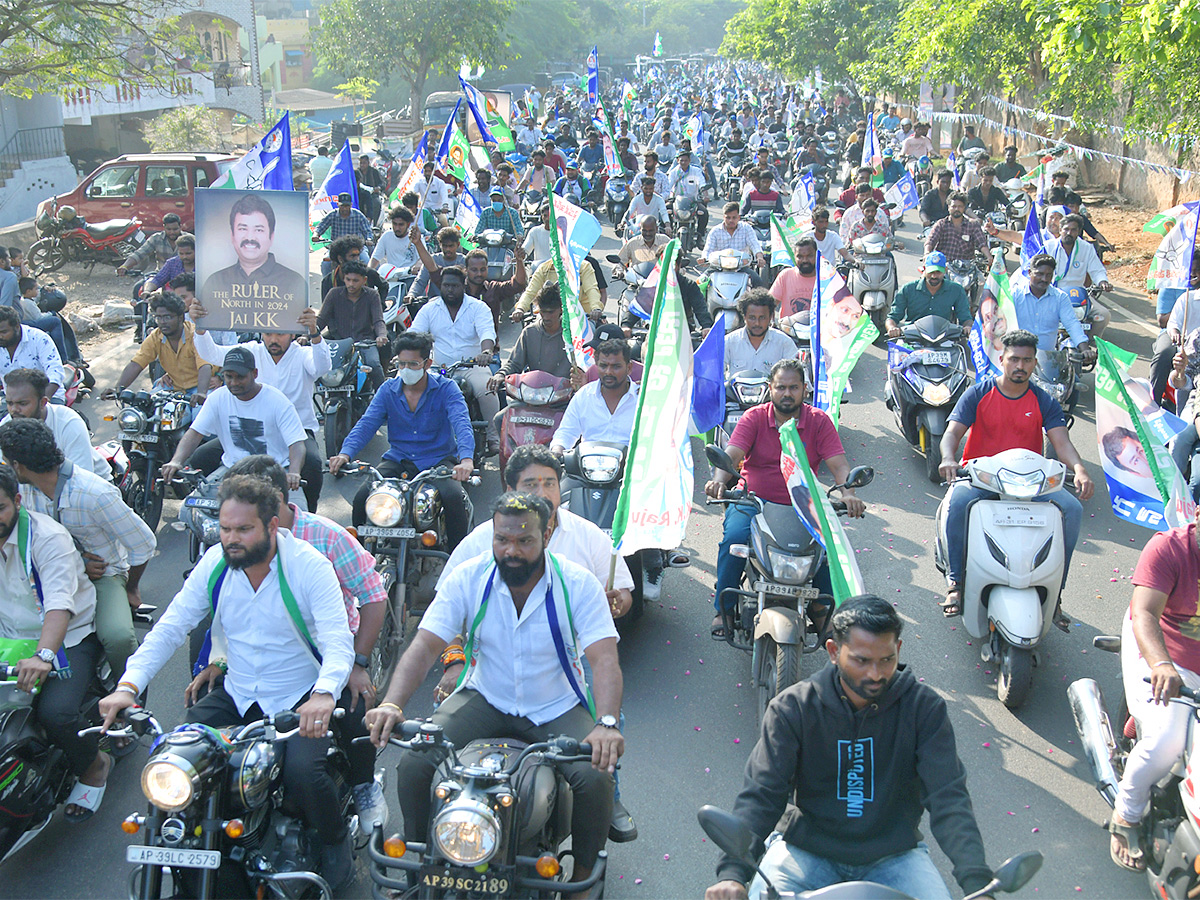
[903, 193]
[952, 165]
[821, 394]
[443, 151]
[593, 76]
[708, 380]
[1031, 243]
[476, 104]
[268, 165]
[340, 180]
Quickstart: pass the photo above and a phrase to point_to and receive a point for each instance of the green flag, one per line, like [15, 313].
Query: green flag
[459, 151]
[817, 515]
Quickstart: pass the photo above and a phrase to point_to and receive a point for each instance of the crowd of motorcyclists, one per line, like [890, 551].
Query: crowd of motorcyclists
[525, 626]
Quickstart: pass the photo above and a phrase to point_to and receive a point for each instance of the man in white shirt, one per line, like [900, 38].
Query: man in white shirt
[648, 204]
[537, 240]
[1075, 262]
[25, 391]
[687, 180]
[463, 329]
[433, 191]
[246, 418]
[524, 673]
[1181, 323]
[45, 597]
[829, 243]
[602, 410]
[528, 137]
[284, 364]
[395, 247]
[918, 143]
[756, 346]
[665, 150]
[273, 665]
[23, 347]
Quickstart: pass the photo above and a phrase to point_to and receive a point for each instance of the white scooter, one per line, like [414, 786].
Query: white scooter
[728, 279]
[1015, 558]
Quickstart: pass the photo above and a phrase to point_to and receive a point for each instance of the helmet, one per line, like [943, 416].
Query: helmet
[905, 122]
[1078, 295]
[66, 213]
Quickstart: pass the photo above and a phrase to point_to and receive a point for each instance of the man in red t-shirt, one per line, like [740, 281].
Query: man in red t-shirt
[1160, 641]
[755, 448]
[998, 414]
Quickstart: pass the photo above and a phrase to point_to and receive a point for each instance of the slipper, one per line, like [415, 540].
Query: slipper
[87, 796]
[1132, 835]
[119, 748]
[952, 607]
[718, 630]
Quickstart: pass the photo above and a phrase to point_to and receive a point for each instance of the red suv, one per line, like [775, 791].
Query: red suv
[146, 185]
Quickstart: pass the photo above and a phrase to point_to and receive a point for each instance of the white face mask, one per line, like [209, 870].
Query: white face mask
[411, 376]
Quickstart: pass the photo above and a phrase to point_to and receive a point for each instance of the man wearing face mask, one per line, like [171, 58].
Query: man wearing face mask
[861, 749]
[497, 214]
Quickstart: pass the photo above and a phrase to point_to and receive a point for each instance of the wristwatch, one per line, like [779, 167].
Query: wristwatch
[46, 655]
[607, 721]
[363, 660]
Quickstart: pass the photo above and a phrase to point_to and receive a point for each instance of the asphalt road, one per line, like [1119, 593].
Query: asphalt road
[691, 711]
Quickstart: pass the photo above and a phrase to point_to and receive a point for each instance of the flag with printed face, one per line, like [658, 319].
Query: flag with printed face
[572, 235]
[656, 494]
[1144, 484]
[454, 149]
[340, 180]
[816, 513]
[952, 165]
[468, 213]
[903, 193]
[804, 197]
[593, 76]
[784, 235]
[995, 317]
[612, 162]
[416, 165]
[476, 104]
[601, 120]
[839, 334]
[268, 164]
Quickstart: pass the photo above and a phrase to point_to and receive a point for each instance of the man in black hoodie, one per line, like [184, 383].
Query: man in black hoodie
[860, 749]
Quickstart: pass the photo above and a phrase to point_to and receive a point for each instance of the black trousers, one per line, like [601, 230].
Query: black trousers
[452, 493]
[60, 700]
[1161, 363]
[207, 458]
[308, 786]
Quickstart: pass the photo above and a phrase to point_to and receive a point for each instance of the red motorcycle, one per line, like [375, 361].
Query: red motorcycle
[536, 403]
[66, 237]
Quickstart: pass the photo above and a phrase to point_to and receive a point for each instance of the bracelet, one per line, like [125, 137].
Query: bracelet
[220, 664]
[392, 705]
[1162, 662]
[453, 652]
[128, 687]
[458, 659]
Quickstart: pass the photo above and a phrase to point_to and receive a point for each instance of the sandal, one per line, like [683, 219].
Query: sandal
[952, 605]
[1132, 836]
[718, 629]
[86, 797]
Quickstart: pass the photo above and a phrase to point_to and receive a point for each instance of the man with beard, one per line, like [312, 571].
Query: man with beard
[525, 630]
[793, 287]
[930, 295]
[861, 749]
[284, 364]
[279, 606]
[755, 440]
[957, 236]
[172, 344]
[756, 346]
[256, 275]
[243, 418]
[25, 391]
[1077, 264]
[25, 347]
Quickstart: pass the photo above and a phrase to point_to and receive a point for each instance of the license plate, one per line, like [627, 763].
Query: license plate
[532, 420]
[444, 878]
[937, 357]
[1087, 326]
[141, 438]
[787, 590]
[171, 856]
[202, 503]
[376, 531]
[1020, 519]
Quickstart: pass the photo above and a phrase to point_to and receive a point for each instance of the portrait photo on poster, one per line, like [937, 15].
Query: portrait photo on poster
[252, 259]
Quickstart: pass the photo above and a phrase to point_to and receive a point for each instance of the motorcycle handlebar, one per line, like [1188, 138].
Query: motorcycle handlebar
[7, 672]
[138, 721]
[1184, 691]
[285, 718]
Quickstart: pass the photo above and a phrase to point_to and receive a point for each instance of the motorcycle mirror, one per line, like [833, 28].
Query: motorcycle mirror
[1015, 872]
[719, 459]
[727, 831]
[860, 476]
[613, 258]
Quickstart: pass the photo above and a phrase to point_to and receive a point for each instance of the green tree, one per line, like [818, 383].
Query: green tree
[357, 90]
[409, 39]
[190, 128]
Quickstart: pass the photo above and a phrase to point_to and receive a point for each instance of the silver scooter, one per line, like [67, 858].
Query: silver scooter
[873, 277]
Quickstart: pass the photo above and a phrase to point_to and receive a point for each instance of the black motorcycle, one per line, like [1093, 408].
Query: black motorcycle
[501, 810]
[216, 824]
[344, 392]
[150, 426]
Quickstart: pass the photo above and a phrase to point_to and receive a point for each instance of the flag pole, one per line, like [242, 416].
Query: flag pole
[612, 571]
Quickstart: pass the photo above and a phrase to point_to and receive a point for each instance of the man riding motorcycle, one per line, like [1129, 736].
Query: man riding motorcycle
[930, 295]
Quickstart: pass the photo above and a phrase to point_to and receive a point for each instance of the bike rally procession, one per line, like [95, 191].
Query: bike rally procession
[780, 499]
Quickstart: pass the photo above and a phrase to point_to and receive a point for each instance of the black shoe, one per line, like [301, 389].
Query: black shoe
[622, 830]
[1062, 621]
[337, 863]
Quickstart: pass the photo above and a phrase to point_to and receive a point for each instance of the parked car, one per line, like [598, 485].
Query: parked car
[146, 185]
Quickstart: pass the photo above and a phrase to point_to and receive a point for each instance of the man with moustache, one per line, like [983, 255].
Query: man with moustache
[793, 287]
[930, 295]
[271, 666]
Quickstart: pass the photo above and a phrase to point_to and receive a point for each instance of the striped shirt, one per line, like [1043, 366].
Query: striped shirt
[355, 567]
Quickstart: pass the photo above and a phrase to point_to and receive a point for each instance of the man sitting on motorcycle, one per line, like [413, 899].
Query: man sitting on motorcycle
[956, 235]
[47, 597]
[734, 234]
[986, 197]
[1043, 308]
[1158, 645]
[687, 180]
[157, 249]
[539, 346]
[345, 220]
[396, 247]
[934, 206]
[862, 175]
[930, 295]
[1010, 168]
[755, 440]
[355, 311]
[498, 214]
[591, 154]
[172, 344]
[890, 168]
[998, 414]
[572, 185]
[1076, 263]
[872, 221]
[764, 196]
[918, 143]
[756, 346]
[184, 260]
[538, 176]
[648, 204]
[547, 273]
[428, 425]
[344, 250]
[271, 668]
[662, 185]
[793, 287]
[864, 716]
[450, 240]
[829, 243]
[517, 685]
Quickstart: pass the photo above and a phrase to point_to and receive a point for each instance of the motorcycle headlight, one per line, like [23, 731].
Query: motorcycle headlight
[936, 394]
[789, 569]
[334, 377]
[536, 396]
[1021, 484]
[385, 506]
[600, 468]
[169, 783]
[131, 421]
[750, 393]
[467, 833]
[210, 530]
[425, 506]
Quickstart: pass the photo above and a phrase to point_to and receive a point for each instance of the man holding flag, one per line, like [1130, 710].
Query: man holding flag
[756, 442]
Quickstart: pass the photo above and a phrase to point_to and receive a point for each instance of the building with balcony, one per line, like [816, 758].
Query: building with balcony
[33, 157]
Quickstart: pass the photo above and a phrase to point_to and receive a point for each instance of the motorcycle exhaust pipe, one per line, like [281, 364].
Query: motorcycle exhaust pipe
[1095, 734]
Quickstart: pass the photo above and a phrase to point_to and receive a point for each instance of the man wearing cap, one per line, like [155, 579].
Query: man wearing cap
[930, 295]
[345, 220]
[572, 185]
[245, 418]
[890, 168]
[497, 214]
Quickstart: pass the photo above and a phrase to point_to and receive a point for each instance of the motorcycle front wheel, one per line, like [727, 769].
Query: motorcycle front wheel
[1016, 675]
[46, 256]
[779, 669]
[145, 501]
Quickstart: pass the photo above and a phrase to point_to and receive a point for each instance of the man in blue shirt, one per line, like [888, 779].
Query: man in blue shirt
[427, 424]
[889, 121]
[591, 154]
[1042, 308]
[891, 170]
[346, 220]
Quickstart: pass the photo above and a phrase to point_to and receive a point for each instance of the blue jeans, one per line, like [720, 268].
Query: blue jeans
[956, 525]
[730, 568]
[1185, 452]
[791, 869]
